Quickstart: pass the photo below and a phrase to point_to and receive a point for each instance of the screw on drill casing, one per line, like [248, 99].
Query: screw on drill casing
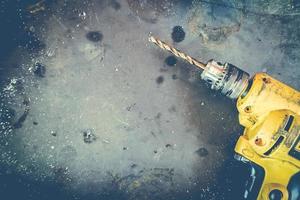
[176, 52]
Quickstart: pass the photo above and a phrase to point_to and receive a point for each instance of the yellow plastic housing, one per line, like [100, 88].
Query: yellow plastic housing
[270, 113]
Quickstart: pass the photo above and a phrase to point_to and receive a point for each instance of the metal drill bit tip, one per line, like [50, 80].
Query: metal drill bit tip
[176, 52]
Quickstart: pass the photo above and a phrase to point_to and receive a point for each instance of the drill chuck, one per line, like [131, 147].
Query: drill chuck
[226, 78]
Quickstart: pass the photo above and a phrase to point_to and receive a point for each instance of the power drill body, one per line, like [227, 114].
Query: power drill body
[270, 112]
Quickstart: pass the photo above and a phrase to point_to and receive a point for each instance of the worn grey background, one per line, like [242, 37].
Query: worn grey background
[109, 119]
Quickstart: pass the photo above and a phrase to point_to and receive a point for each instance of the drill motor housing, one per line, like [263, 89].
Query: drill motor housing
[270, 112]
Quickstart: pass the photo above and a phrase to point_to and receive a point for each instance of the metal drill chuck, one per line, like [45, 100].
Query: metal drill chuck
[226, 78]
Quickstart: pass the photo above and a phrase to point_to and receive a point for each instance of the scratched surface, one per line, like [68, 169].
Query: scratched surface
[91, 110]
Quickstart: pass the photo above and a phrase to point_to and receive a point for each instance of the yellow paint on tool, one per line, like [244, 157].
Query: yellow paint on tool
[270, 112]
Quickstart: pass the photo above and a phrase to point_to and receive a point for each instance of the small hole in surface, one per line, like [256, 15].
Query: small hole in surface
[247, 109]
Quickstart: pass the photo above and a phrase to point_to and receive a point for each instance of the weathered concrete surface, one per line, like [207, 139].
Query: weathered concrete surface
[91, 107]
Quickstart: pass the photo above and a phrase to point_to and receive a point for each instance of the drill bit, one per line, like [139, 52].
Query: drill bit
[176, 52]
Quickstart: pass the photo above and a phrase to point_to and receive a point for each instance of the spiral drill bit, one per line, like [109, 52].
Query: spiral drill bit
[176, 52]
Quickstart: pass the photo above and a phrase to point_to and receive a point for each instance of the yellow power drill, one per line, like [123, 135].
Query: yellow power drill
[270, 112]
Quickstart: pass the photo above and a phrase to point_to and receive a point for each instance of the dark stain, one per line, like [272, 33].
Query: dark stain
[35, 123]
[178, 34]
[130, 107]
[163, 69]
[94, 36]
[160, 80]
[89, 136]
[172, 109]
[39, 70]
[158, 116]
[125, 148]
[155, 151]
[153, 134]
[202, 152]
[54, 133]
[171, 61]
[26, 101]
[21, 120]
[174, 77]
[115, 5]
[168, 145]
[133, 166]
[266, 80]
[218, 34]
